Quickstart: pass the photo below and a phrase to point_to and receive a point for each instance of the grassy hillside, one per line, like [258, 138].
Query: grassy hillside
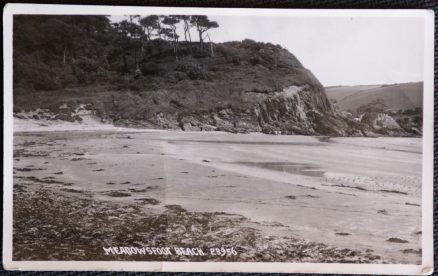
[339, 92]
[404, 96]
[226, 80]
[240, 87]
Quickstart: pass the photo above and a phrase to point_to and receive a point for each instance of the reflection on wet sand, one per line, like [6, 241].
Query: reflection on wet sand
[288, 167]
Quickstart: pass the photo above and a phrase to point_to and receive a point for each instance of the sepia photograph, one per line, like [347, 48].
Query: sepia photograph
[172, 139]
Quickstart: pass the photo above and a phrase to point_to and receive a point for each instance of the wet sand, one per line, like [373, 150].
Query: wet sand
[362, 194]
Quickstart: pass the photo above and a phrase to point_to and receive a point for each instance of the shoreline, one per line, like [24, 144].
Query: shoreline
[32, 125]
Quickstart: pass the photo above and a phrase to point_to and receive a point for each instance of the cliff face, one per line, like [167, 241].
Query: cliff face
[243, 87]
[293, 110]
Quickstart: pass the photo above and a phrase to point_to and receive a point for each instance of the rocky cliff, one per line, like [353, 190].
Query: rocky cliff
[238, 87]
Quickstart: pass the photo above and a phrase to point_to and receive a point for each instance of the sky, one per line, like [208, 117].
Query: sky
[338, 50]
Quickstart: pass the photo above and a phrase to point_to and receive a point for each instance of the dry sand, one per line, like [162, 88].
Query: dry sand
[360, 194]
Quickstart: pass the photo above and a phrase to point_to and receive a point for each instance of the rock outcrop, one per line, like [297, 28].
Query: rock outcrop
[245, 87]
[293, 110]
[381, 123]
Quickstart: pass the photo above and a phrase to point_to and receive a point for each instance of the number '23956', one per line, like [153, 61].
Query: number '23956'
[215, 251]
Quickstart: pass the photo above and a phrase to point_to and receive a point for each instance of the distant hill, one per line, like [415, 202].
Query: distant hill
[393, 97]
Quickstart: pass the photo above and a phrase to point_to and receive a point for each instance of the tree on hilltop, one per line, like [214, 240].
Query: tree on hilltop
[202, 24]
[132, 17]
[187, 26]
[171, 32]
[149, 24]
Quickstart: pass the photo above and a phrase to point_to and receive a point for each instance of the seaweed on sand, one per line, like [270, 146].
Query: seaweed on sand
[53, 226]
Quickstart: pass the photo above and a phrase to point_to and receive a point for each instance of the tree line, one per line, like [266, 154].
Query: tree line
[53, 51]
[164, 27]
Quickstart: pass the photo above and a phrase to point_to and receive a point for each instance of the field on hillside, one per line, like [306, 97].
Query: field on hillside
[270, 198]
[395, 97]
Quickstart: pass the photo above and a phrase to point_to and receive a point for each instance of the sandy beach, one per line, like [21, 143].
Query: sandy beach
[291, 194]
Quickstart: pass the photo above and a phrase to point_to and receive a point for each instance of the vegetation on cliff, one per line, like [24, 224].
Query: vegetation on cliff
[57, 51]
[139, 73]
